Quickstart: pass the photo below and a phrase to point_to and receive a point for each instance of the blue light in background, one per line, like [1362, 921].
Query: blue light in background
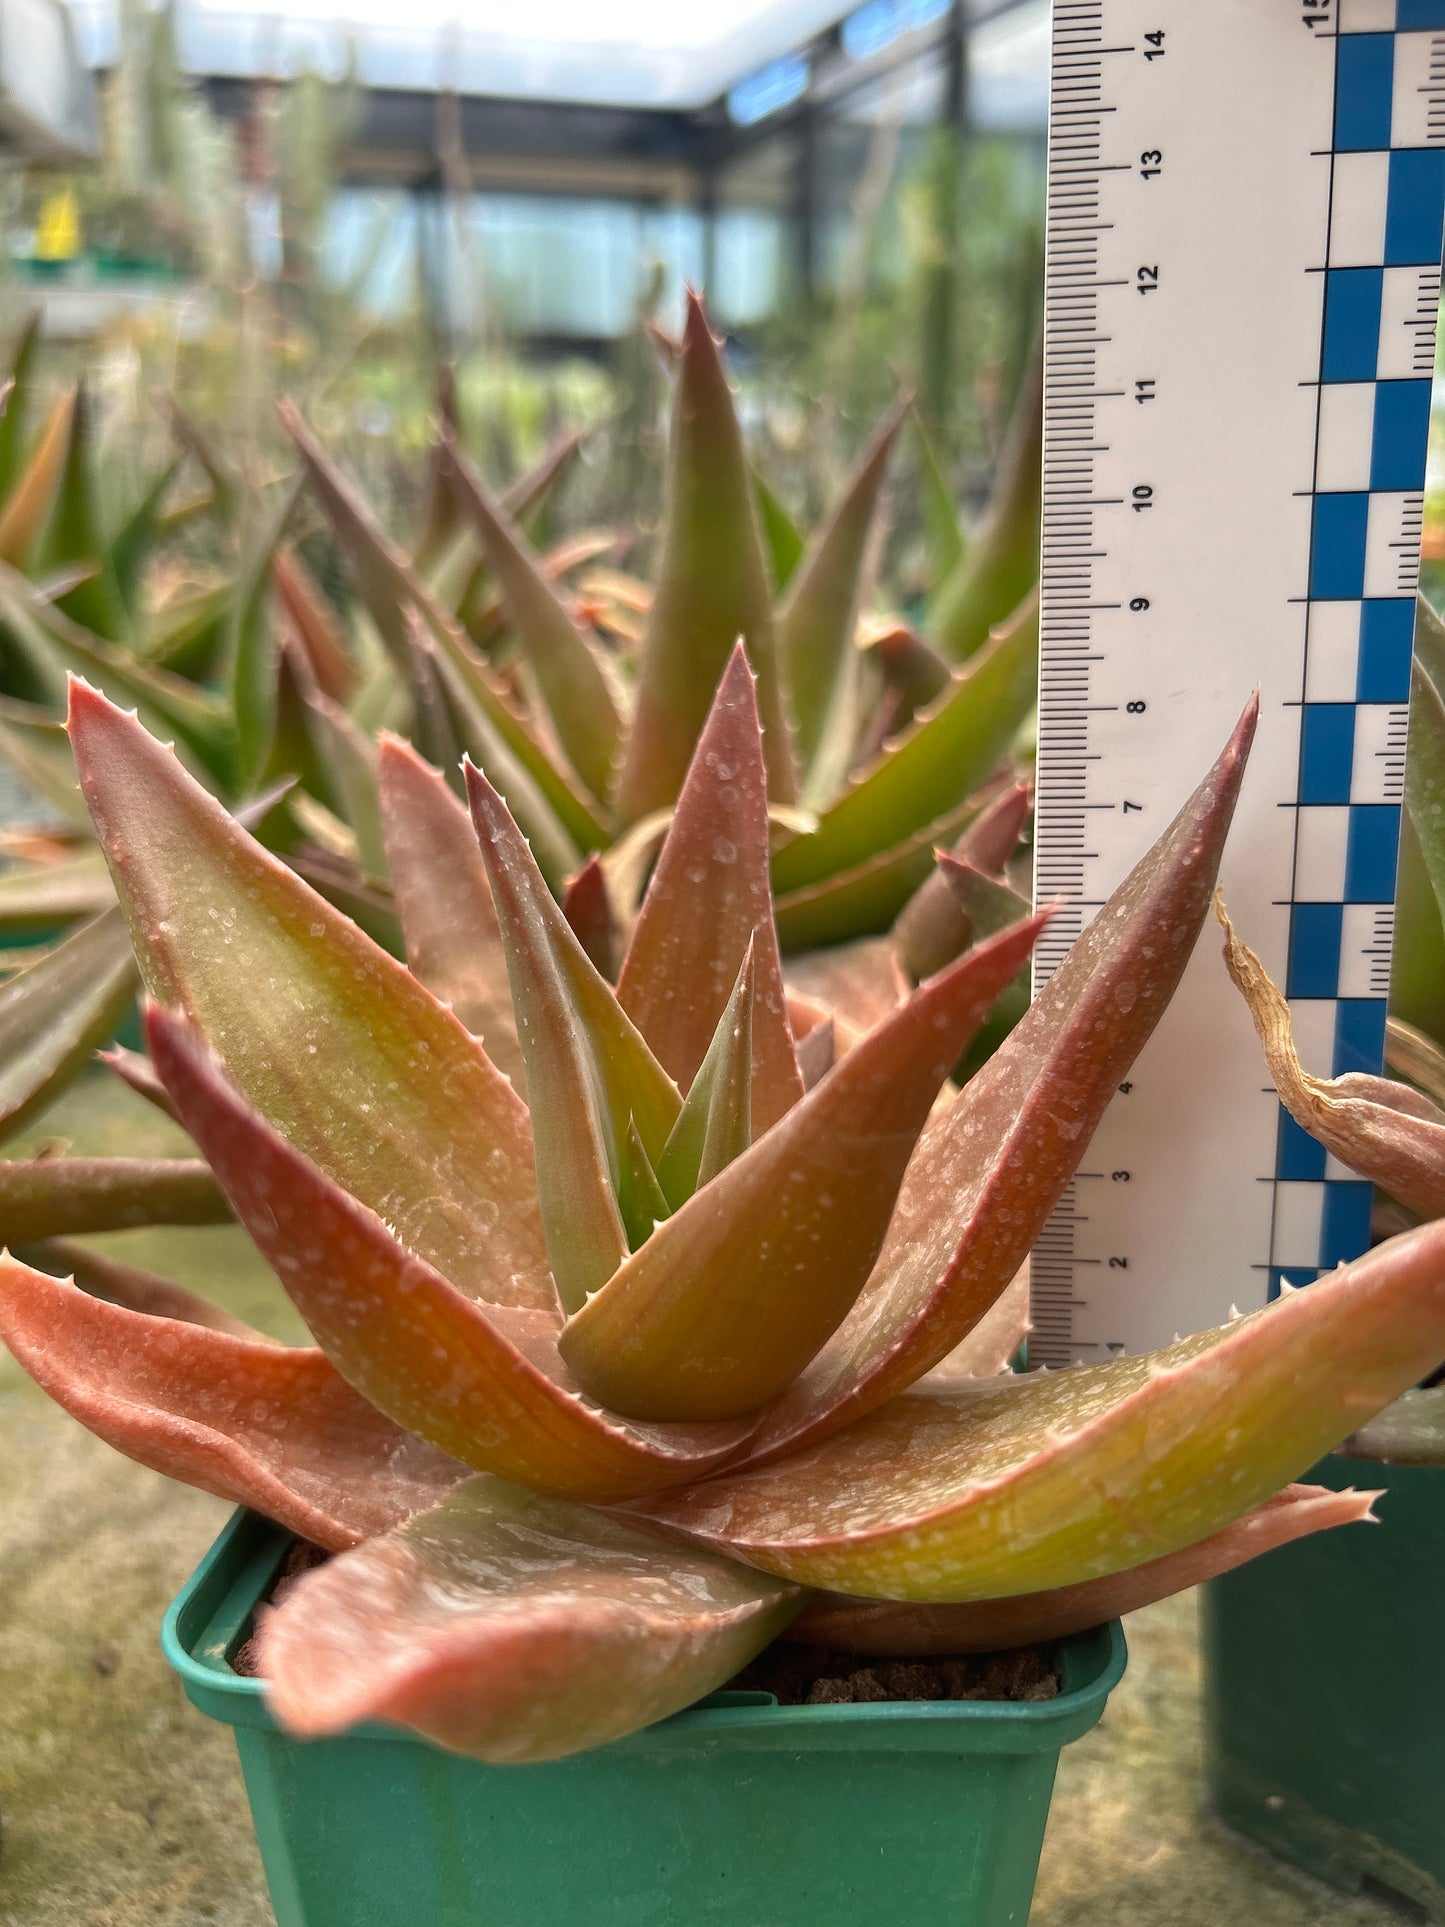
[770, 88]
[872, 27]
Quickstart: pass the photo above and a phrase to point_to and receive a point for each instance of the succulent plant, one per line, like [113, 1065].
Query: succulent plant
[677, 1335]
[274, 694]
[874, 758]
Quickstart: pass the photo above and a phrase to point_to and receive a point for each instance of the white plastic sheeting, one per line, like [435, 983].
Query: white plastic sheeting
[639, 53]
[47, 101]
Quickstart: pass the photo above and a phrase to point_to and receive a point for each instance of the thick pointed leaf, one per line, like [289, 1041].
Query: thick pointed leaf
[438, 523]
[818, 1046]
[934, 927]
[947, 755]
[818, 618]
[197, 718]
[475, 728]
[530, 495]
[513, 1628]
[136, 540]
[251, 646]
[941, 524]
[1001, 563]
[33, 743]
[340, 1048]
[128, 1286]
[481, 1380]
[135, 1069]
[708, 900]
[712, 588]
[990, 1170]
[1410, 1053]
[453, 944]
[53, 894]
[1430, 642]
[729, 1300]
[65, 1197]
[715, 1124]
[587, 906]
[227, 490]
[991, 1487]
[55, 1013]
[996, 1625]
[865, 899]
[391, 588]
[589, 1073]
[73, 532]
[1409, 1432]
[1385, 1131]
[782, 538]
[350, 755]
[314, 624]
[574, 690]
[988, 903]
[858, 982]
[1417, 977]
[640, 1198]
[28, 503]
[260, 1424]
[1425, 775]
[15, 411]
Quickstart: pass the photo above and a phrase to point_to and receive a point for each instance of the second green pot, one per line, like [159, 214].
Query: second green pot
[1324, 1696]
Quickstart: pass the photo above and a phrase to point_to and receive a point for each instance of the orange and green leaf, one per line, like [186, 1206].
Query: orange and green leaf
[259, 1424]
[707, 901]
[729, 1299]
[514, 1628]
[712, 588]
[985, 1488]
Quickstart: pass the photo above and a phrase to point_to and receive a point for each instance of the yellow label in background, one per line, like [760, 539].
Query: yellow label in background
[57, 230]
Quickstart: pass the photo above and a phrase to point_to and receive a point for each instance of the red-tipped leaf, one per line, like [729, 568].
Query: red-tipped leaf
[481, 1381]
[335, 1042]
[589, 1074]
[513, 1628]
[709, 899]
[988, 1172]
[574, 690]
[995, 1625]
[730, 1299]
[444, 901]
[985, 1488]
[260, 1424]
[712, 588]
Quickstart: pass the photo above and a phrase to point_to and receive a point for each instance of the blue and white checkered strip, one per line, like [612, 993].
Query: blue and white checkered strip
[1382, 284]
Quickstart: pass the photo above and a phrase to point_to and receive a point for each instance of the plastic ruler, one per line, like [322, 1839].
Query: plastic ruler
[1244, 236]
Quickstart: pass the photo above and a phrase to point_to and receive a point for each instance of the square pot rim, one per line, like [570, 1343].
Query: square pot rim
[210, 1615]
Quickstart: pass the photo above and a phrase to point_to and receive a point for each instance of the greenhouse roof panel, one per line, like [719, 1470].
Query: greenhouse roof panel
[631, 53]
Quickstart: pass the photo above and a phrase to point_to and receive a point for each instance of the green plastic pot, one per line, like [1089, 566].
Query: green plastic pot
[1324, 1695]
[738, 1812]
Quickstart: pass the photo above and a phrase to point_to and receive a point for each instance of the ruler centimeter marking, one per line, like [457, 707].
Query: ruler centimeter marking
[1245, 206]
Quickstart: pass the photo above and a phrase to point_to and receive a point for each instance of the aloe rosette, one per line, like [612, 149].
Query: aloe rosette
[627, 1360]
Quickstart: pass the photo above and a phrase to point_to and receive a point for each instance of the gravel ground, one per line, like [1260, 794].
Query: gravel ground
[122, 1807]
